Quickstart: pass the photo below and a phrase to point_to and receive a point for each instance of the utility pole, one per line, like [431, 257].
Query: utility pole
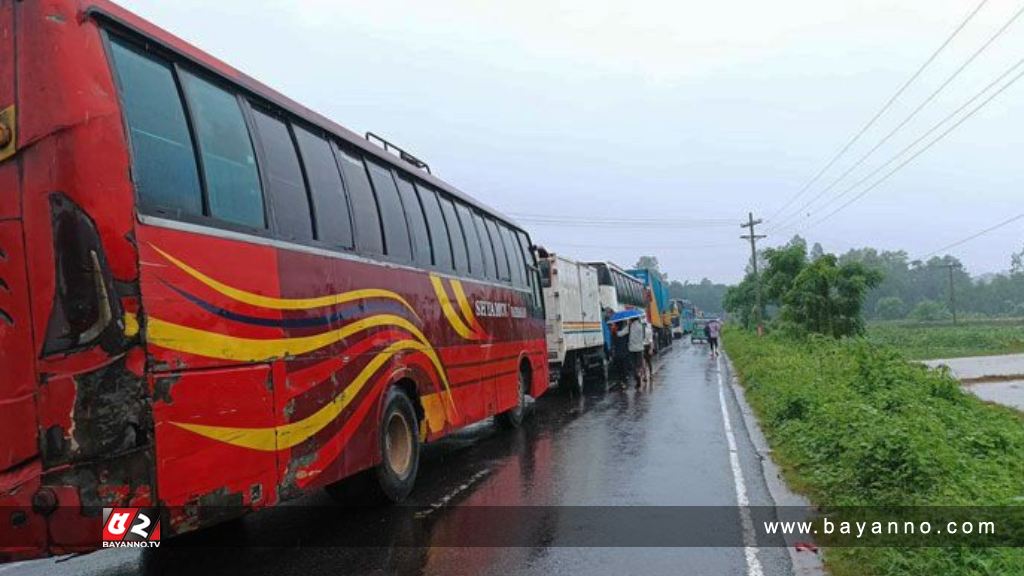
[754, 237]
[952, 289]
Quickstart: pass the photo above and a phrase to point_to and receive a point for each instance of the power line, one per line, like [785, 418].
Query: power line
[856, 137]
[625, 224]
[616, 219]
[934, 141]
[913, 114]
[925, 135]
[680, 246]
[974, 236]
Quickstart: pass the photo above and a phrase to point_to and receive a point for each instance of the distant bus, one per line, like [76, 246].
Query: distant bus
[619, 290]
[685, 314]
[215, 299]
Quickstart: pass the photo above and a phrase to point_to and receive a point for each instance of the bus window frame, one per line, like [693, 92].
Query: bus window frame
[401, 176]
[155, 50]
[368, 165]
[262, 157]
[317, 132]
[111, 29]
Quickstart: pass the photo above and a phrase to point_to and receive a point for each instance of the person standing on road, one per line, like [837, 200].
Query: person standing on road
[714, 331]
[620, 351]
[636, 350]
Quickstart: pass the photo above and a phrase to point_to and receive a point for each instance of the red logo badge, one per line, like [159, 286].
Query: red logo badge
[131, 527]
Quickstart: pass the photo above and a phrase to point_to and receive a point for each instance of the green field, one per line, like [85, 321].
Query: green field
[853, 423]
[944, 340]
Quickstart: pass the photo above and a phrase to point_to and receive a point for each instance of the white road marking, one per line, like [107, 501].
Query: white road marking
[749, 549]
[448, 497]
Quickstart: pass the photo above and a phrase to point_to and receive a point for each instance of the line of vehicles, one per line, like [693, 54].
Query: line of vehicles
[580, 296]
[215, 300]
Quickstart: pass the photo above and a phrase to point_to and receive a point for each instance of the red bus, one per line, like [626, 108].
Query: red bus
[211, 296]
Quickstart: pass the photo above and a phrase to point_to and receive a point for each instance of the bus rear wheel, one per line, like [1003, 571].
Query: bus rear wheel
[513, 418]
[399, 446]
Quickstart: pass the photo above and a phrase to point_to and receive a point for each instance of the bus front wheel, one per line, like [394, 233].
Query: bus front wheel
[399, 445]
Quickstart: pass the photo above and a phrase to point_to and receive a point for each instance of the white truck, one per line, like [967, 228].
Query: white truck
[574, 327]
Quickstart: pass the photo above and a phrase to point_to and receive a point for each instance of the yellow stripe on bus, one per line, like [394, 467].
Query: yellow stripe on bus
[449, 312]
[290, 435]
[284, 303]
[226, 347]
[467, 310]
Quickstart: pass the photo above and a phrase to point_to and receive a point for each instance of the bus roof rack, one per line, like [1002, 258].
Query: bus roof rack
[392, 149]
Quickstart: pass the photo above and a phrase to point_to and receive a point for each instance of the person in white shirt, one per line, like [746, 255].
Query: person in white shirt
[637, 334]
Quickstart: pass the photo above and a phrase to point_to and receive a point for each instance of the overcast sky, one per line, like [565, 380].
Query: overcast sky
[665, 110]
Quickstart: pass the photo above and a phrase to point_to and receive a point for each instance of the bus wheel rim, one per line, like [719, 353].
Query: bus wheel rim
[398, 441]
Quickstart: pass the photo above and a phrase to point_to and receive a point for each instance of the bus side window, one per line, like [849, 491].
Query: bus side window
[366, 216]
[163, 158]
[456, 235]
[490, 268]
[476, 257]
[396, 229]
[532, 276]
[438, 231]
[526, 257]
[504, 271]
[286, 186]
[514, 256]
[330, 203]
[226, 154]
[422, 252]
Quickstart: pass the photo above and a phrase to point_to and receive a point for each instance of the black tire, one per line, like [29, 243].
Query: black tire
[513, 418]
[601, 375]
[399, 446]
[604, 371]
[578, 376]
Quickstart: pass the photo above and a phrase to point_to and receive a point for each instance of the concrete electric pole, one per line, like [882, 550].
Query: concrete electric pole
[952, 289]
[754, 237]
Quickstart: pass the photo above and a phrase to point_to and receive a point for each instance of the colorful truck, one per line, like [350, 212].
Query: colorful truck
[657, 303]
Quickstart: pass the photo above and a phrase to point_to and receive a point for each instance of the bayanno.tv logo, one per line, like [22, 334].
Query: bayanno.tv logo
[131, 527]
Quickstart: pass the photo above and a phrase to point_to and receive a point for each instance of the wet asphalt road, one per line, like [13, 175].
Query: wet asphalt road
[666, 447]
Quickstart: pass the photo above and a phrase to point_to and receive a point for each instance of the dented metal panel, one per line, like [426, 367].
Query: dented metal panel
[193, 472]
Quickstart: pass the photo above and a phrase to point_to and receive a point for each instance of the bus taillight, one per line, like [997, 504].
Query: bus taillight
[85, 307]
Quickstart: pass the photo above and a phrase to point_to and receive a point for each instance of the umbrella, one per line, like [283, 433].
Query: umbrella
[625, 315]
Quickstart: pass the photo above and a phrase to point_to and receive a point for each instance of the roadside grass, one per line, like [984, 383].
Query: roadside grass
[853, 423]
[928, 341]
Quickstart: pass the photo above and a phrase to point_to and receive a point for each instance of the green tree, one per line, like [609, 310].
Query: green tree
[784, 265]
[1017, 262]
[816, 251]
[739, 300]
[705, 295]
[930, 311]
[827, 297]
[650, 263]
[890, 308]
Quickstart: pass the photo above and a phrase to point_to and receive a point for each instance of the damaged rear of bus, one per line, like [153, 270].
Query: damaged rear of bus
[76, 426]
